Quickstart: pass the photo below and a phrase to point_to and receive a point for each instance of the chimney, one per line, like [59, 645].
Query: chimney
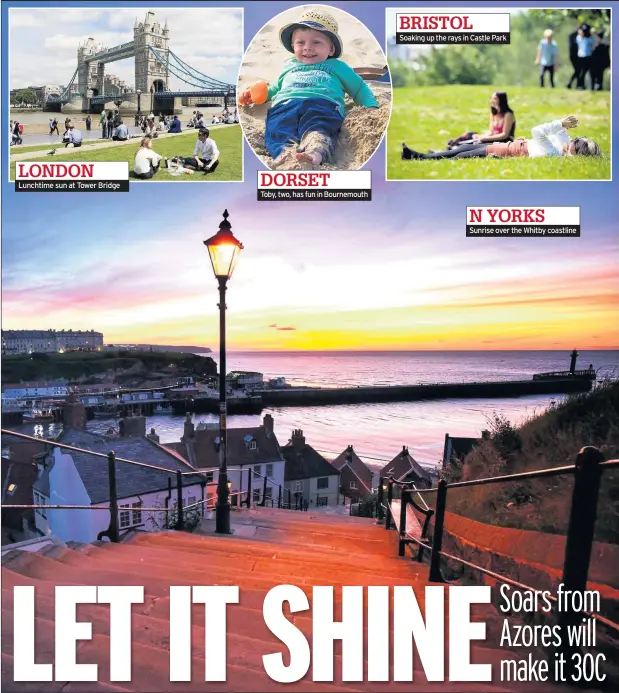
[298, 439]
[189, 430]
[153, 435]
[132, 427]
[404, 451]
[349, 454]
[74, 412]
[268, 423]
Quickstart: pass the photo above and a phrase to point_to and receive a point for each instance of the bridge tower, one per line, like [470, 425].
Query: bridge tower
[148, 71]
[90, 74]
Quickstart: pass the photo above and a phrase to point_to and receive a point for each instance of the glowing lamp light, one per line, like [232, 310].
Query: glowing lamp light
[224, 249]
[229, 485]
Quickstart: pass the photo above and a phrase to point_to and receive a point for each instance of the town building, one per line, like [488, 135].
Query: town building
[457, 448]
[67, 477]
[245, 380]
[252, 448]
[43, 93]
[49, 341]
[404, 467]
[13, 393]
[309, 475]
[356, 478]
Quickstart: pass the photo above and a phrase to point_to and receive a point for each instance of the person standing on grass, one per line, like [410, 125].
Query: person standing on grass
[600, 61]
[547, 54]
[103, 123]
[586, 42]
[88, 122]
[573, 53]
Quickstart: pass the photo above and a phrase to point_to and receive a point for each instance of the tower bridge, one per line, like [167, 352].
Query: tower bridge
[155, 63]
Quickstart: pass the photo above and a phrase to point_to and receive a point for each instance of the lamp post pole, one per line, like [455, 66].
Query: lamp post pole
[222, 509]
[139, 93]
[224, 250]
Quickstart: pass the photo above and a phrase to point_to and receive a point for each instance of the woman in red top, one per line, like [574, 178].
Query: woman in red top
[502, 127]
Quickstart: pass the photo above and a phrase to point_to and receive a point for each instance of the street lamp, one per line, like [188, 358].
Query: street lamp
[139, 93]
[224, 250]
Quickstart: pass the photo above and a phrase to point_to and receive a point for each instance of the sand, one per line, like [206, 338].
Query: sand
[363, 128]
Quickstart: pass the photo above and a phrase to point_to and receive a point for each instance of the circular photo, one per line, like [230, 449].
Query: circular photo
[314, 91]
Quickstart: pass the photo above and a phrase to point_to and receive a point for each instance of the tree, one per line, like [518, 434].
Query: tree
[26, 96]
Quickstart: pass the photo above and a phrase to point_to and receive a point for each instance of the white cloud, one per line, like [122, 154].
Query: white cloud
[208, 39]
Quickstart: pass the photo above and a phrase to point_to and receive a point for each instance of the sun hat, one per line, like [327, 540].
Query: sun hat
[316, 19]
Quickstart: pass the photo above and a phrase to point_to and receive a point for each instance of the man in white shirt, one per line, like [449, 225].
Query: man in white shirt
[74, 137]
[205, 154]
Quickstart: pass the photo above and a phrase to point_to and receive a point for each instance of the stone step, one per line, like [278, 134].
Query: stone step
[261, 567]
[242, 546]
[242, 652]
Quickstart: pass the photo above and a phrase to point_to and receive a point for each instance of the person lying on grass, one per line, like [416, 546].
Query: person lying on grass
[308, 97]
[549, 139]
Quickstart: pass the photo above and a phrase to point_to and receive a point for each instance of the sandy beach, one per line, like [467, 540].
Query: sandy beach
[363, 128]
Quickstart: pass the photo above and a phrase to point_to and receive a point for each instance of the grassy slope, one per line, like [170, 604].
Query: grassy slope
[426, 117]
[229, 142]
[550, 440]
[76, 365]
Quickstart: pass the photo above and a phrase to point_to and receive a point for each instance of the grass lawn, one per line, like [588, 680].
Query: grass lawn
[229, 142]
[426, 117]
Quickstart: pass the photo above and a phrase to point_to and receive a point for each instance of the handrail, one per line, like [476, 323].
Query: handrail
[587, 477]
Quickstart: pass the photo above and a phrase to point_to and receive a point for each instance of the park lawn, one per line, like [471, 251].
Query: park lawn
[426, 117]
[229, 142]
[19, 149]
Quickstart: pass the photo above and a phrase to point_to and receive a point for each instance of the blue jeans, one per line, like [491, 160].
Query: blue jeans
[288, 122]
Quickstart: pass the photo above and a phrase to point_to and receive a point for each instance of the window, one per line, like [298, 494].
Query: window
[258, 469]
[297, 485]
[322, 500]
[11, 489]
[137, 513]
[353, 484]
[256, 495]
[252, 445]
[323, 482]
[191, 500]
[269, 470]
[268, 494]
[209, 477]
[39, 499]
[124, 517]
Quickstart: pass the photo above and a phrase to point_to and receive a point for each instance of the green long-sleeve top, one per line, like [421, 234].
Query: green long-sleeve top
[330, 79]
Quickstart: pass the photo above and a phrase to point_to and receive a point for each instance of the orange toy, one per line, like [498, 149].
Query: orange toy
[257, 93]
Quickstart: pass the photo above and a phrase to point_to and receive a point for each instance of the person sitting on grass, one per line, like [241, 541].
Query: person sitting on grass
[308, 97]
[122, 133]
[74, 137]
[147, 161]
[549, 139]
[502, 126]
[175, 125]
[205, 155]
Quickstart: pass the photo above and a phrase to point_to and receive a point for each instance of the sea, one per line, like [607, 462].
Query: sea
[379, 430]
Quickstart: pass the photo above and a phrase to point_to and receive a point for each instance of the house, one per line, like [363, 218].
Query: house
[459, 448]
[67, 477]
[254, 449]
[19, 473]
[356, 478]
[308, 474]
[404, 467]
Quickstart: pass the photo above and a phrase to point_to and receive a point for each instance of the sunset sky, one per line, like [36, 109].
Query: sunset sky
[395, 273]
